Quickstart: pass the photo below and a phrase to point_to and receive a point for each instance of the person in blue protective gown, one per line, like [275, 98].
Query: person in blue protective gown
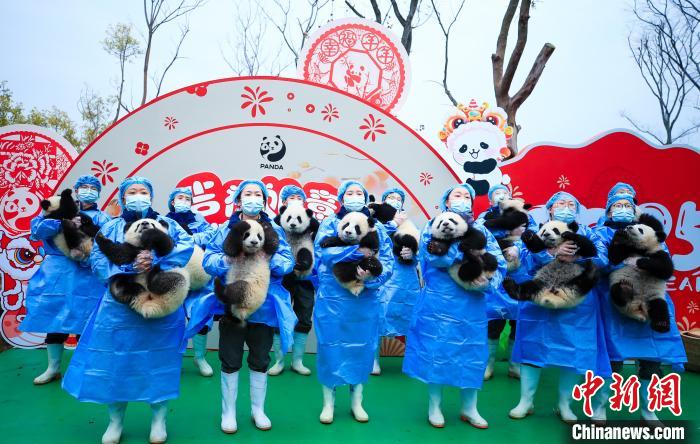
[63, 293]
[180, 206]
[347, 326]
[259, 328]
[626, 338]
[446, 342]
[501, 308]
[302, 291]
[570, 339]
[122, 356]
[400, 293]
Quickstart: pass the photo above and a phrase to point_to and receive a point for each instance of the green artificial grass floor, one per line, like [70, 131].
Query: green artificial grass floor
[397, 406]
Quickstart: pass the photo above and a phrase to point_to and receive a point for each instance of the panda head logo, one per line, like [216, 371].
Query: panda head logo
[273, 148]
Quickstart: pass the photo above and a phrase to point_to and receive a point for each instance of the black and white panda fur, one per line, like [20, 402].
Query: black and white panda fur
[558, 284]
[249, 245]
[155, 293]
[448, 228]
[640, 292]
[300, 226]
[75, 243]
[355, 228]
[406, 234]
[512, 214]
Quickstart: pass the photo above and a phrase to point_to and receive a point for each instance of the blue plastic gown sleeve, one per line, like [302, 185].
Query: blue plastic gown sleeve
[493, 248]
[332, 255]
[282, 262]
[182, 252]
[43, 229]
[386, 257]
[601, 259]
[390, 227]
[214, 261]
[204, 231]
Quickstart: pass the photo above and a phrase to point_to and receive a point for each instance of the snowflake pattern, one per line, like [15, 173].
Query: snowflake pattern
[372, 127]
[330, 112]
[425, 178]
[255, 97]
[563, 182]
[170, 122]
[103, 171]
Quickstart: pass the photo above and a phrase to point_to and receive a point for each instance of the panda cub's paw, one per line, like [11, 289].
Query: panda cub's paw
[371, 264]
[438, 248]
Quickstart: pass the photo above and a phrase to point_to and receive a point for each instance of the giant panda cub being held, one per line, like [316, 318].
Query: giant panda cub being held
[249, 246]
[300, 227]
[356, 228]
[406, 234]
[155, 293]
[73, 241]
[448, 228]
[512, 214]
[558, 284]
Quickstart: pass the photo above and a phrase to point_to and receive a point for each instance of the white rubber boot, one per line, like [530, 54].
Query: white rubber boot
[469, 412]
[199, 345]
[435, 416]
[529, 378]
[53, 371]
[513, 367]
[298, 354]
[328, 405]
[647, 415]
[356, 404]
[258, 390]
[278, 366]
[600, 404]
[567, 380]
[376, 369]
[229, 394]
[493, 348]
[159, 434]
[116, 423]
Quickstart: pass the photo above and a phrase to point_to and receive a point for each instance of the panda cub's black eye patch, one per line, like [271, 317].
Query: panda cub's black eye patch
[453, 221]
[357, 230]
[345, 225]
[289, 218]
[640, 230]
[259, 236]
[556, 230]
[246, 235]
[299, 219]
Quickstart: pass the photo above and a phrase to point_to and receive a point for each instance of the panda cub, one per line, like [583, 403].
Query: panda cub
[640, 292]
[406, 234]
[155, 293]
[300, 226]
[355, 228]
[512, 214]
[75, 243]
[249, 245]
[558, 284]
[448, 228]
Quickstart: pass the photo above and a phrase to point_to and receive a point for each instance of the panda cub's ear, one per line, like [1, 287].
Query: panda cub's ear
[573, 226]
[164, 224]
[527, 206]
[540, 226]
[45, 204]
[309, 213]
[127, 226]
[372, 198]
[283, 208]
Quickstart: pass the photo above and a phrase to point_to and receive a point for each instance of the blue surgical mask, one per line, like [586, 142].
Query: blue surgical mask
[252, 205]
[461, 206]
[566, 215]
[622, 215]
[137, 202]
[181, 206]
[87, 195]
[497, 198]
[354, 203]
[395, 204]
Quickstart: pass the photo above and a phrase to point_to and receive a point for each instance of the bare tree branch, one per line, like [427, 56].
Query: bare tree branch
[353, 9]
[184, 30]
[446, 33]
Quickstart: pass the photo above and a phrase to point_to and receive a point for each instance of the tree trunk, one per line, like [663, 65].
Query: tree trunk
[146, 59]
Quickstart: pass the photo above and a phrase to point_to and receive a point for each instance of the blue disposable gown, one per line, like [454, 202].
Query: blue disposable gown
[122, 356]
[63, 293]
[398, 295]
[627, 338]
[568, 338]
[447, 338]
[346, 326]
[276, 311]
[498, 304]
